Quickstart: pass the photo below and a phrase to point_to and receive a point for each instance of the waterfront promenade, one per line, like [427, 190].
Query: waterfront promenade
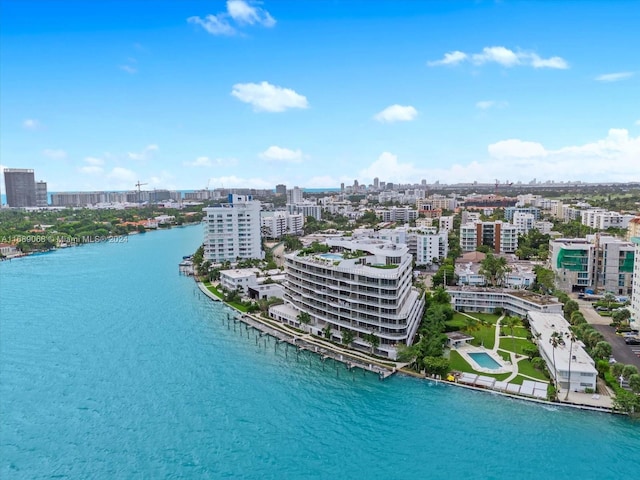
[289, 336]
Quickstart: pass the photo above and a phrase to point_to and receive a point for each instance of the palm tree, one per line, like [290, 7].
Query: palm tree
[327, 331]
[472, 325]
[556, 341]
[511, 323]
[485, 325]
[572, 338]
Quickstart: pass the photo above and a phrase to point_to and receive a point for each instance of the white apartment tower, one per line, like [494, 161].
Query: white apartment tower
[232, 230]
[635, 295]
[364, 286]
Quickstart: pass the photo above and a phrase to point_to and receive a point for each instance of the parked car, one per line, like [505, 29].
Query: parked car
[632, 341]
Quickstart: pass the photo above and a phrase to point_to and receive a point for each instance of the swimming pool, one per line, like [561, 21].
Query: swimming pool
[331, 256]
[485, 360]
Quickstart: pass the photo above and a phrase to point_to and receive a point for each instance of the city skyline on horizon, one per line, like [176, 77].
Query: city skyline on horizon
[243, 94]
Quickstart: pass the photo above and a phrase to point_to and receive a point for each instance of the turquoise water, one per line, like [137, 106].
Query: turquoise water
[113, 366]
[484, 360]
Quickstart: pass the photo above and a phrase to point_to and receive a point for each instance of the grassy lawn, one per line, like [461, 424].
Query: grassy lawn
[214, 290]
[458, 321]
[525, 368]
[456, 362]
[484, 333]
[520, 343]
[220, 295]
[521, 332]
[505, 355]
[487, 317]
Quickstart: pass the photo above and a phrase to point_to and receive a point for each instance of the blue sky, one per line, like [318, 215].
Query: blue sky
[187, 94]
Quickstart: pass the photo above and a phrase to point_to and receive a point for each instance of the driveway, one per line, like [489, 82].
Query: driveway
[622, 352]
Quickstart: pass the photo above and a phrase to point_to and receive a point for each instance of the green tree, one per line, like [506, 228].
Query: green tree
[493, 269]
[511, 323]
[634, 382]
[347, 337]
[621, 316]
[570, 307]
[436, 366]
[629, 370]
[616, 370]
[601, 351]
[556, 341]
[373, 340]
[545, 278]
[327, 331]
[407, 354]
[577, 318]
[304, 318]
[608, 298]
[626, 402]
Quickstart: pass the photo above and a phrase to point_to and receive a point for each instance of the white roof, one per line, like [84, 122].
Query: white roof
[547, 323]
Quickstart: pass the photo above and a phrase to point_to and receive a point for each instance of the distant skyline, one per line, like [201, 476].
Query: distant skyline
[189, 94]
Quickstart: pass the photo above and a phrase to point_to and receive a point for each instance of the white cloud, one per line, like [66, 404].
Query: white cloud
[613, 158]
[514, 148]
[246, 13]
[128, 68]
[396, 113]
[91, 170]
[55, 154]
[502, 56]
[388, 168]
[31, 124]
[214, 24]
[208, 162]
[270, 98]
[145, 154]
[94, 161]
[241, 12]
[451, 58]
[614, 77]
[280, 154]
[553, 62]
[238, 182]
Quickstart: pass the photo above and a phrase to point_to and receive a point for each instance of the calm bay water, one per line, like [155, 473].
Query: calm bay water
[114, 366]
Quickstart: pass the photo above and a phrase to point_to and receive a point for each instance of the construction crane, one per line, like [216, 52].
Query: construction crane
[139, 185]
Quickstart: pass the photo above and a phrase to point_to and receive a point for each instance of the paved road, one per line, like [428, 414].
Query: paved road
[622, 352]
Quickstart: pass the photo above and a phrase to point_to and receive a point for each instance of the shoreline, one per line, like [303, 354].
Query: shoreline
[113, 239]
[391, 370]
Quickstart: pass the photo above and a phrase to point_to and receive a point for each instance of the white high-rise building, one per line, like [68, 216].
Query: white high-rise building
[635, 295]
[523, 222]
[364, 286]
[294, 195]
[277, 224]
[232, 230]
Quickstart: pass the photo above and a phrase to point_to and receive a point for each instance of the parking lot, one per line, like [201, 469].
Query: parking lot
[623, 353]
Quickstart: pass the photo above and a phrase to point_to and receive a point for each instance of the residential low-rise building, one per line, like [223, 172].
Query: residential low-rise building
[568, 363]
[512, 302]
